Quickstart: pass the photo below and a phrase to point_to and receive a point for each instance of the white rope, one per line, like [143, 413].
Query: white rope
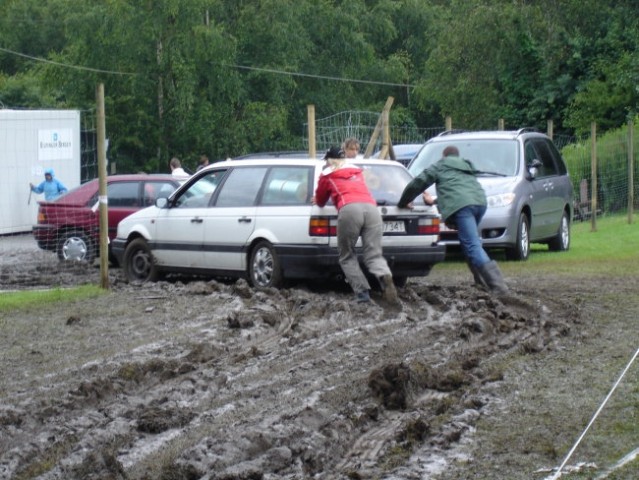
[629, 457]
[557, 474]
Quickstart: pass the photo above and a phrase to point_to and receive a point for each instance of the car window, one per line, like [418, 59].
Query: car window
[157, 189]
[386, 182]
[550, 156]
[240, 187]
[123, 194]
[492, 156]
[544, 155]
[200, 193]
[287, 186]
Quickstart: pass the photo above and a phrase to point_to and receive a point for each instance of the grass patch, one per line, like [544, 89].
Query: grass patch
[612, 248]
[33, 299]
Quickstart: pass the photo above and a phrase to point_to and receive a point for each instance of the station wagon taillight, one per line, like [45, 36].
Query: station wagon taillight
[322, 227]
[42, 218]
[428, 226]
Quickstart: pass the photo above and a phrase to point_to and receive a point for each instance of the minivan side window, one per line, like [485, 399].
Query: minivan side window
[538, 149]
[549, 166]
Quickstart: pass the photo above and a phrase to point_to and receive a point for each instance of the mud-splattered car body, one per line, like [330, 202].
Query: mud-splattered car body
[254, 218]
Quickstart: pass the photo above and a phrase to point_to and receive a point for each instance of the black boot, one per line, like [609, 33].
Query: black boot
[479, 280]
[492, 276]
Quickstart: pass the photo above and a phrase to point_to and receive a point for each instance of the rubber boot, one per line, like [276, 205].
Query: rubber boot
[479, 280]
[492, 276]
[389, 292]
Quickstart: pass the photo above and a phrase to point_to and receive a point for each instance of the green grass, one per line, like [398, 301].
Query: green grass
[612, 248]
[32, 299]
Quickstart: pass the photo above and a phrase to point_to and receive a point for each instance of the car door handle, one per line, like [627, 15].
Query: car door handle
[196, 220]
[244, 220]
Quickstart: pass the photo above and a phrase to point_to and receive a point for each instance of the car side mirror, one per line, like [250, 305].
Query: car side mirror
[533, 168]
[161, 202]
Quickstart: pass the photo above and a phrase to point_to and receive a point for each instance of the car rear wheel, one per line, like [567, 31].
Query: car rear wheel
[264, 266]
[76, 246]
[138, 263]
[561, 242]
[521, 249]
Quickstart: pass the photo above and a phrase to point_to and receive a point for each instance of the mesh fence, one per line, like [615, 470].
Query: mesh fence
[25, 264]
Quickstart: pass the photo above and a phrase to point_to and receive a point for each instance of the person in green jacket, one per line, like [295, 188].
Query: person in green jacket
[462, 204]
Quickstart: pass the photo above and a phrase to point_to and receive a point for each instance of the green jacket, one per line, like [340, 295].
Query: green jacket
[457, 186]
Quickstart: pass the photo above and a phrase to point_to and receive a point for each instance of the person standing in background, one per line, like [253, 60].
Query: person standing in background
[351, 147]
[176, 168]
[203, 162]
[51, 187]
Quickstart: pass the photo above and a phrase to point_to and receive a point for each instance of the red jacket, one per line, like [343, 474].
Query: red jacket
[344, 185]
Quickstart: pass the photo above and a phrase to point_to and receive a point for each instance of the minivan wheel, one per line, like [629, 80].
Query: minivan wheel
[521, 249]
[264, 266]
[138, 263]
[75, 245]
[561, 242]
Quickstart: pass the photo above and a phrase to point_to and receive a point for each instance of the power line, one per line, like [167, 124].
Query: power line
[322, 77]
[65, 65]
[241, 67]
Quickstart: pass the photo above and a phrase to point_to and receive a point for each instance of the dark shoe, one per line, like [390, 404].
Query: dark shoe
[389, 292]
[363, 297]
[492, 276]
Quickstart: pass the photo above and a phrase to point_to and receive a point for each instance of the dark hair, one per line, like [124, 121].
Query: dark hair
[451, 151]
[334, 152]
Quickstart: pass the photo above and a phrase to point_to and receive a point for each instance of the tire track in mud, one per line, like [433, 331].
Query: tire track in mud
[253, 398]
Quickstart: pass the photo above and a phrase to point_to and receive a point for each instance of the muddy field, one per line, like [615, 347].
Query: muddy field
[206, 379]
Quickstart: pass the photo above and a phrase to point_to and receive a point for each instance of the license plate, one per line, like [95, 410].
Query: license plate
[394, 227]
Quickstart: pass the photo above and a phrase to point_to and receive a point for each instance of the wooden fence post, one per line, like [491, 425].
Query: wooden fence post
[102, 190]
[631, 171]
[593, 176]
[312, 147]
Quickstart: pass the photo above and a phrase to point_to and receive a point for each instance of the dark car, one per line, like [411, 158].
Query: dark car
[70, 225]
[404, 152]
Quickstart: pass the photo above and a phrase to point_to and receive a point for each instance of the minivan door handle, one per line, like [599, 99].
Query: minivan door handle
[244, 220]
[196, 220]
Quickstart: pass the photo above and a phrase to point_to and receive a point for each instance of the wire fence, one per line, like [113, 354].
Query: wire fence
[614, 166]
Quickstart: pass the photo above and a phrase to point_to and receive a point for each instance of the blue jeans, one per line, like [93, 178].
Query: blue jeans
[466, 220]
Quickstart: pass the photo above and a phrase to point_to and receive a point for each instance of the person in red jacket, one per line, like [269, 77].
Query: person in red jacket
[357, 216]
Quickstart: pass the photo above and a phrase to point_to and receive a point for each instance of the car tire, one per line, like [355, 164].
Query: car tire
[138, 262]
[264, 267]
[561, 242]
[76, 245]
[521, 249]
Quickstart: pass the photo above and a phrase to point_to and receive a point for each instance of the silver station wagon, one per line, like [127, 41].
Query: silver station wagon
[526, 182]
[254, 218]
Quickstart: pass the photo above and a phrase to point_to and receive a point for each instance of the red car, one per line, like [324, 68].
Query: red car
[70, 225]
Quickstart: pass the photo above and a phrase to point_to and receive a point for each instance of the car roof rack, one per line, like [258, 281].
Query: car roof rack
[527, 130]
[450, 132]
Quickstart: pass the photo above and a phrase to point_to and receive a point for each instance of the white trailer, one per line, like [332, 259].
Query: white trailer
[30, 142]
